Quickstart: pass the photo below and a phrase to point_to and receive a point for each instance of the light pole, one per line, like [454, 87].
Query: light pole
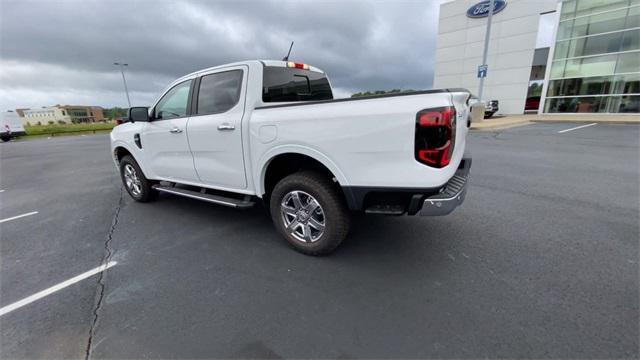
[121, 65]
[487, 37]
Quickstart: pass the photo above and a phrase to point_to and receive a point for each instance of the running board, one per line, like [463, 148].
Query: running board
[216, 199]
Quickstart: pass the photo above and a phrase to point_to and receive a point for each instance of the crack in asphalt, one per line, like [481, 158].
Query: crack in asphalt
[101, 284]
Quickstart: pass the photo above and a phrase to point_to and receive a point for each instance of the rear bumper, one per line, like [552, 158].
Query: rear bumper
[451, 196]
[411, 201]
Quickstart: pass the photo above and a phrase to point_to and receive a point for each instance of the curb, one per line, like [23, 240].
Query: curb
[500, 126]
[519, 120]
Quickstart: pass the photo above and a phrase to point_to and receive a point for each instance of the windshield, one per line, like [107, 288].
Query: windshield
[282, 84]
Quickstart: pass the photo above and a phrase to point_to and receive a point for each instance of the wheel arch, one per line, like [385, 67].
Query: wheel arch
[287, 161]
[121, 150]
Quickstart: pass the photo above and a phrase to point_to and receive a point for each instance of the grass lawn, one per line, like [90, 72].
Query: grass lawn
[67, 129]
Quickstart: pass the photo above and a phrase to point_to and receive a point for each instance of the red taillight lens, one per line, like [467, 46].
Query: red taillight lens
[435, 118]
[435, 136]
[296, 65]
[439, 157]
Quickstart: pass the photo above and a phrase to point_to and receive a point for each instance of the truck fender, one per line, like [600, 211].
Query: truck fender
[269, 155]
[133, 151]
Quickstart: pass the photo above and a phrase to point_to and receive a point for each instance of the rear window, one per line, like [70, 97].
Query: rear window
[288, 84]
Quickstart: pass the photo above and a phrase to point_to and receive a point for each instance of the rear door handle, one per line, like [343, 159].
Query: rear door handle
[175, 130]
[226, 126]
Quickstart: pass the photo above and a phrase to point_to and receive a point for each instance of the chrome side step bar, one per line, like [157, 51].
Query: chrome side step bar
[216, 199]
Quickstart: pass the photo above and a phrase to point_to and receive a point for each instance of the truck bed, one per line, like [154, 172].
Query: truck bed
[364, 141]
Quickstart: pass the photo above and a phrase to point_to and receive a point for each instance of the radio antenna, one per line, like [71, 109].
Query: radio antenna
[286, 58]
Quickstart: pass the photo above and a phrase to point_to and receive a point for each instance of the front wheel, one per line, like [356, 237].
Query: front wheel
[309, 211]
[137, 185]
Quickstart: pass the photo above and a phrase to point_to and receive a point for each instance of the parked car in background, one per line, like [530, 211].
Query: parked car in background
[10, 126]
[271, 131]
[491, 108]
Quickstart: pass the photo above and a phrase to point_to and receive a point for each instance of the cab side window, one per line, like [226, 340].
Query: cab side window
[174, 103]
[219, 92]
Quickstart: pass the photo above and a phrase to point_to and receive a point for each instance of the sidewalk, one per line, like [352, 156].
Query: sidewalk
[507, 121]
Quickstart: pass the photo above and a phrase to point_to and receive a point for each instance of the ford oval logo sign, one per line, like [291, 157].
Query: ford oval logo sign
[481, 9]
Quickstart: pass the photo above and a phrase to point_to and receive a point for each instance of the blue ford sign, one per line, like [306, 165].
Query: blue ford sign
[481, 9]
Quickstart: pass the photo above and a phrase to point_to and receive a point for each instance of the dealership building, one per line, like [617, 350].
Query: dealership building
[544, 56]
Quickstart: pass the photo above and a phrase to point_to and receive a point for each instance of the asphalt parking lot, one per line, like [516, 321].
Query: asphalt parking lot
[541, 261]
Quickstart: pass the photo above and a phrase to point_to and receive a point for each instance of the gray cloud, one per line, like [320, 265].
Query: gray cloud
[62, 51]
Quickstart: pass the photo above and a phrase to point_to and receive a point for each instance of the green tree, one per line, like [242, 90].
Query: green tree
[115, 112]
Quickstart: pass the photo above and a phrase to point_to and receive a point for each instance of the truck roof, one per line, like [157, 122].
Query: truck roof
[276, 63]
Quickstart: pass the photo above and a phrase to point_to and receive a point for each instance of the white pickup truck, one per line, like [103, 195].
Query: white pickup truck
[271, 131]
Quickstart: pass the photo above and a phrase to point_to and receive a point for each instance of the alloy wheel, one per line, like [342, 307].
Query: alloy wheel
[303, 216]
[132, 181]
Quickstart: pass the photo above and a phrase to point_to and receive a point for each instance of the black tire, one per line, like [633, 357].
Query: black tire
[335, 214]
[488, 115]
[146, 193]
[5, 138]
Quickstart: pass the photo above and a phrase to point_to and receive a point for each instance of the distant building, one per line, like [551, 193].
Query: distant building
[61, 113]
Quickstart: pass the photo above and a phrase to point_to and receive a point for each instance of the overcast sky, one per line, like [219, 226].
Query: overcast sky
[63, 51]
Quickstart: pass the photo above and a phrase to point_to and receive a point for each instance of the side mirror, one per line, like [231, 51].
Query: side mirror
[138, 113]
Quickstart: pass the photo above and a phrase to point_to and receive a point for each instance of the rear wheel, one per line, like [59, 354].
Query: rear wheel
[5, 138]
[309, 211]
[134, 181]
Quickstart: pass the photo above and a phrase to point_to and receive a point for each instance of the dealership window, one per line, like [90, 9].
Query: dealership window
[596, 60]
[544, 40]
[595, 104]
[578, 8]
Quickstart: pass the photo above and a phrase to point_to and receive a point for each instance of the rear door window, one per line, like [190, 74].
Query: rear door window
[219, 92]
[282, 84]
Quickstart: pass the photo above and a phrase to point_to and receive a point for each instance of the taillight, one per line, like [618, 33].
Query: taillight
[435, 136]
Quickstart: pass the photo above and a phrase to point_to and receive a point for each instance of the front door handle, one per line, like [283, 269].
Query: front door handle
[226, 126]
[175, 130]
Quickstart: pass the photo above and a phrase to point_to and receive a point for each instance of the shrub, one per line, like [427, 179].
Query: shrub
[61, 122]
[51, 122]
[38, 123]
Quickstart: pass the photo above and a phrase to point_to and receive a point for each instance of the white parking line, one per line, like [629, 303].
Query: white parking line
[1, 191]
[18, 216]
[576, 128]
[28, 300]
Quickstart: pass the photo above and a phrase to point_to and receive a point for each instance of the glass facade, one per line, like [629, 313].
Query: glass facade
[596, 61]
